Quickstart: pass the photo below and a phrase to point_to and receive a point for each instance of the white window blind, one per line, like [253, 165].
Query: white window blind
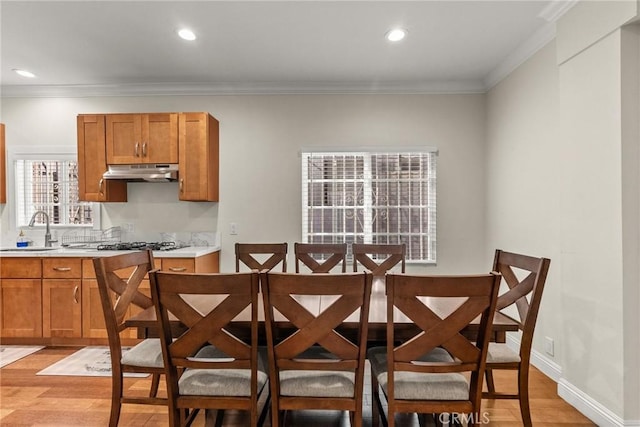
[50, 186]
[371, 197]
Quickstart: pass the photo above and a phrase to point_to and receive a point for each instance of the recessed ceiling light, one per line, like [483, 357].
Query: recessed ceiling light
[24, 73]
[396, 34]
[186, 34]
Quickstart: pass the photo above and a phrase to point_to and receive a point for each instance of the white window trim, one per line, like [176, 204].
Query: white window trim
[367, 149]
[43, 152]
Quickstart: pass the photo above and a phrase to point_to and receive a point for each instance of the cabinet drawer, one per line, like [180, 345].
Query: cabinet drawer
[179, 265]
[61, 268]
[20, 268]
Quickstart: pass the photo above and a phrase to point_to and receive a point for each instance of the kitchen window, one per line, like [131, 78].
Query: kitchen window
[380, 197]
[49, 183]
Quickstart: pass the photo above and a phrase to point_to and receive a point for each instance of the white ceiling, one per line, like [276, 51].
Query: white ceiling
[102, 47]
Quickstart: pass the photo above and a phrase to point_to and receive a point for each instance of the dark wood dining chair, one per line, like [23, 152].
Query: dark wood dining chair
[274, 254]
[525, 277]
[425, 374]
[370, 256]
[312, 366]
[119, 278]
[208, 366]
[321, 257]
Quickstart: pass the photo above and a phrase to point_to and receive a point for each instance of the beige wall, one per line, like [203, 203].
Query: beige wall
[261, 138]
[562, 182]
[523, 177]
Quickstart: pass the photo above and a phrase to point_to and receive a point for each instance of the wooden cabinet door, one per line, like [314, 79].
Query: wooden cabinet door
[92, 315]
[198, 157]
[3, 167]
[124, 139]
[61, 308]
[160, 138]
[142, 138]
[21, 308]
[92, 163]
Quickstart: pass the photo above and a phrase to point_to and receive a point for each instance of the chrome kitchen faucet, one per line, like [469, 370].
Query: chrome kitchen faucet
[47, 232]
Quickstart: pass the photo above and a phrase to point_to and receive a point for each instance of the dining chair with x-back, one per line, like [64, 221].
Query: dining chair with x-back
[321, 257]
[378, 258]
[439, 370]
[311, 365]
[525, 277]
[261, 256]
[208, 366]
[120, 280]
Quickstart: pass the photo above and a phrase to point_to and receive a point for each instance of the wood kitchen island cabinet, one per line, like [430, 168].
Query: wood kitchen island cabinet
[50, 300]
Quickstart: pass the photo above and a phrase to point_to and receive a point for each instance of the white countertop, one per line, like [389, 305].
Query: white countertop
[189, 252]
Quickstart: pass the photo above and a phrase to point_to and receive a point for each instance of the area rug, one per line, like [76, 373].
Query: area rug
[11, 353]
[87, 362]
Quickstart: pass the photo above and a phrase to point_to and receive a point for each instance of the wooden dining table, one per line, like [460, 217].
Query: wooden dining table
[146, 322]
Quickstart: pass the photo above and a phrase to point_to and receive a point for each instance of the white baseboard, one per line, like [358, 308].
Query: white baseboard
[539, 360]
[589, 407]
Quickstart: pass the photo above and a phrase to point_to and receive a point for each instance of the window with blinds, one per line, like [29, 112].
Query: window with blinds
[50, 186]
[371, 197]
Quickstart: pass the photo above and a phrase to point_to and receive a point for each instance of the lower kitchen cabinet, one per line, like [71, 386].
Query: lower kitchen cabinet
[62, 297]
[21, 297]
[53, 300]
[92, 317]
[62, 308]
[21, 303]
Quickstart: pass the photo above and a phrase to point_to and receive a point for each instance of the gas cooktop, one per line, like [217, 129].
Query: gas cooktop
[127, 246]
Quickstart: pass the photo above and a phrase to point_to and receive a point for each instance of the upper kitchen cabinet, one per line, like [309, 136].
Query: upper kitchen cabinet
[198, 167]
[3, 167]
[142, 138]
[92, 163]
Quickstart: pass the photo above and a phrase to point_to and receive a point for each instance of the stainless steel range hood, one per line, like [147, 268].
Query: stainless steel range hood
[143, 172]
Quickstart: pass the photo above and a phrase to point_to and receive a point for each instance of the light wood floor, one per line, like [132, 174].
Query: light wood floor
[30, 400]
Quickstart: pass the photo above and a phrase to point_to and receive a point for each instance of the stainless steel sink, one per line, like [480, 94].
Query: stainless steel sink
[28, 249]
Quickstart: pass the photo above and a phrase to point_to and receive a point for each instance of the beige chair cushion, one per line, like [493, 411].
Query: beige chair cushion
[420, 386]
[317, 383]
[501, 353]
[146, 353]
[219, 382]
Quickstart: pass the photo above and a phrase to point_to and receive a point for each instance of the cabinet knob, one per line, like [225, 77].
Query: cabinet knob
[177, 269]
[182, 185]
[62, 268]
[144, 149]
[75, 294]
[136, 149]
[100, 186]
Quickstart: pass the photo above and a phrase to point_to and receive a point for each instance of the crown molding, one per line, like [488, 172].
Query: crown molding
[523, 52]
[228, 88]
[551, 13]
[556, 8]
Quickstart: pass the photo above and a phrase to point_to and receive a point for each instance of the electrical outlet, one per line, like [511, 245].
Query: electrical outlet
[548, 345]
[129, 227]
[233, 229]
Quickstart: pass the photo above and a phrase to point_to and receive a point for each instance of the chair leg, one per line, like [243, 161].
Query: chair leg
[116, 396]
[523, 393]
[275, 413]
[375, 397]
[356, 417]
[491, 388]
[155, 382]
